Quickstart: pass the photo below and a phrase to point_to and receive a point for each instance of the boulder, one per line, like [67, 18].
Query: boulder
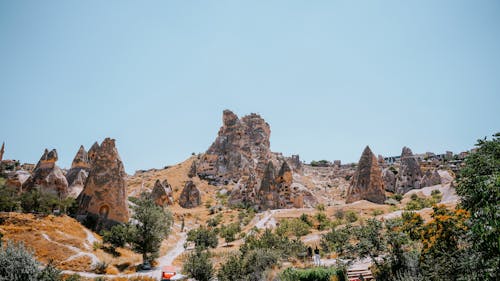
[409, 174]
[162, 193]
[242, 147]
[190, 196]
[367, 183]
[104, 196]
[389, 178]
[47, 176]
[430, 178]
[77, 175]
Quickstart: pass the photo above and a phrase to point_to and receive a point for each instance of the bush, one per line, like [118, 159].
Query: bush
[313, 274]
[293, 227]
[17, 263]
[100, 267]
[50, 273]
[351, 216]
[203, 238]
[199, 266]
[118, 236]
[377, 212]
[339, 214]
[229, 232]
[323, 221]
[398, 197]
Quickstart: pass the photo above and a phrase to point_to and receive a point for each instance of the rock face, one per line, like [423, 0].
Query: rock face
[162, 193]
[241, 148]
[190, 196]
[389, 178]
[430, 178]
[244, 192]
[409, 174]
[104, 197]
[78, 173]
[268, 193]
[47, 176]
[367, 183]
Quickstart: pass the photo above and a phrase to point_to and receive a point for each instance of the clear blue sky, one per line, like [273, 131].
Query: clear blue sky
[329, 76]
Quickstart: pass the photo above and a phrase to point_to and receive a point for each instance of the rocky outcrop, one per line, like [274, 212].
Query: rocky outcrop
[190, 196]
[192, 170]
[104, 196]
[162, 193]
[280, 192]
[389, 178]
[15, 179]
[244, 192]
[409, 174]
[268, 193]
[241, 148]
[78, 173]
[430, 178]
[367, 183]
[48, 176]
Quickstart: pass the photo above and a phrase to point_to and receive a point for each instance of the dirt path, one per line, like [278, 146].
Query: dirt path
[167, 259]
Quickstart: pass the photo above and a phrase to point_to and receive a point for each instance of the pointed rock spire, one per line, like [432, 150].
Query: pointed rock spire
[104, 195]
[367, 183]
[48, 176]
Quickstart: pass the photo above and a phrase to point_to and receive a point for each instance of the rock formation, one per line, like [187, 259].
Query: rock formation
[367, 183]
[409, 174]
[162, 193]
[268, 193]
[47, 176]
[389, 178]
[192, 171]
[190, 196]
[245, 192]
[241, 148]
[2, 151]
[78, 173]
[430, 178]
[280, 192]
[92, 152]
[15, 179]
[104, 197]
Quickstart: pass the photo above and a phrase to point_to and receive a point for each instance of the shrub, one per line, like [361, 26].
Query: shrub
[117, 236]
[339, 214]
[100, 267]
[203, 238]
[351, 216]
[199, 266]
[50, 273]
[295, 227]
[313, 274]
[377, 212]
[73, 277]
[17, 263]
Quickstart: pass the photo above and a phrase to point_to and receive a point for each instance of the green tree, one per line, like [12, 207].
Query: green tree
[117, 236]
[9, 200]
[203, 238]
[479, 189]
[199, 266]
[153, 224]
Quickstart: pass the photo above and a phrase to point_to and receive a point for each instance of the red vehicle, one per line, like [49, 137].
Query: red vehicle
[167, 273]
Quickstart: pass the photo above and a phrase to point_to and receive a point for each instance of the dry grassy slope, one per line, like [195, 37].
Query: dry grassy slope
[58, 238]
